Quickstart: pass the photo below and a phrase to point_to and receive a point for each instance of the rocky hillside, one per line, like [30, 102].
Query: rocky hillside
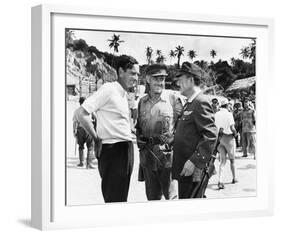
[84, 73]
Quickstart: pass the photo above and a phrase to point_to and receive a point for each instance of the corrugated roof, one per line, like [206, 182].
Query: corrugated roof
[242, 84]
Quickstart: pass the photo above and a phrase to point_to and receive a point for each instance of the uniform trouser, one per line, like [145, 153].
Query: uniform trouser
[115, 167]
[159, 182]
[84, 138]
[186, 186]
[248, 143]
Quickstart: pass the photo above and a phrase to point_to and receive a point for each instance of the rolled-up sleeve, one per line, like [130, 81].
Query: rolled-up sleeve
[94, 102]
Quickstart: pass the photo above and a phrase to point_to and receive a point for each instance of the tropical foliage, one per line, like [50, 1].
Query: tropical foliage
[213, 53]
[191, 54]
[148, 52]
[221, 73]
[179, 53]
[114, 42]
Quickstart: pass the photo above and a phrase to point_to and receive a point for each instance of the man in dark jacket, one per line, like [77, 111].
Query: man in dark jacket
[196, 132]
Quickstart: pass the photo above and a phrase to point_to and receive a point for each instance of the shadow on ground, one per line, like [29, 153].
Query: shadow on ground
[249, 190]
[247, 167]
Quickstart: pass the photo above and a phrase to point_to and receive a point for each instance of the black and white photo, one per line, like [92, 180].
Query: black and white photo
[158, 116]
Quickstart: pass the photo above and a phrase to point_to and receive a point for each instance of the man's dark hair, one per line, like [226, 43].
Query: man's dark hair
[224, 106]
[125, 62]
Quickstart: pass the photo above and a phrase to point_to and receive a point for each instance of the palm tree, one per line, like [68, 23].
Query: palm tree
[244, 52]
[202, 64]
[252, 51]
[158, 52]
[232, 61]
[160, 59]
[179, 52]
[213, 53]
[191, 54]
[115, 42]
[149, 51]
[172, 54]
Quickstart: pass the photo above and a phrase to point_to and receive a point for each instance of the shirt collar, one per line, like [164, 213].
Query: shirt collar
[223, 110]
[163, 97]
[194, 95]
[120, 89]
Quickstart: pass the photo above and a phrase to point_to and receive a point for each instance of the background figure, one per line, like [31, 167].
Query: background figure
[82, 137]
[227, 146]
[157, 112]
[248, 120]
[215, 105]
[237, 109]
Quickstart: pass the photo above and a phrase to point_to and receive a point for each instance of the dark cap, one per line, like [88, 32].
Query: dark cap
[157, 70]
[192, 69]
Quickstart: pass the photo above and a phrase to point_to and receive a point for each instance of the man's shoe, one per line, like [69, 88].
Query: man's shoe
[80, 164]
[245, 156]
[220, 186]
[90, 166]
[234, 181]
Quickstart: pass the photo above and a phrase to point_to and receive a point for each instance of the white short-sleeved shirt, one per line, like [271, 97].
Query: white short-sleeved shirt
[224, 119]
[110, 104]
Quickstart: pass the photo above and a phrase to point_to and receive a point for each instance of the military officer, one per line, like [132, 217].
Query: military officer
[196, 132]
[157, 112]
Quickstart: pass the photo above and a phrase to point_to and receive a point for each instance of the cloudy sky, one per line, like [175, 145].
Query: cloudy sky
[136, 43]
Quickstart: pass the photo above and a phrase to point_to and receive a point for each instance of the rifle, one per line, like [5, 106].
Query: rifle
[199, 190]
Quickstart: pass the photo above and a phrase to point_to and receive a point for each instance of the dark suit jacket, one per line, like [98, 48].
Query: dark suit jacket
[195, 135]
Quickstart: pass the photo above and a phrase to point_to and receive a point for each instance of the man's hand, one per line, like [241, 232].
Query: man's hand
[98, 147]
[167, 138]
[188, 168]
[140, 143]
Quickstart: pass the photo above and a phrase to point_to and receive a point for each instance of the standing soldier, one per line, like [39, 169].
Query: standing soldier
[82, 138]
[248, 120]
[196, 132]
[157, 113]
[237, 109]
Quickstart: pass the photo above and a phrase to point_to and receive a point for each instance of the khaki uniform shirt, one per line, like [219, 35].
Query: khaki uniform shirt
[154, 119]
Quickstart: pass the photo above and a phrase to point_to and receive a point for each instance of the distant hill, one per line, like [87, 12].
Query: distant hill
[84, 72]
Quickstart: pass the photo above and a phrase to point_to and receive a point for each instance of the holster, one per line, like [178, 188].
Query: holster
[165, 155]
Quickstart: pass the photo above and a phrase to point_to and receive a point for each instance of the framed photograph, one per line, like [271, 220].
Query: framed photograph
[76, 53]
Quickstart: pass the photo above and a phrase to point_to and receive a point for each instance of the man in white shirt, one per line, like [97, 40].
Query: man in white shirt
[110, 105]
[225, 124]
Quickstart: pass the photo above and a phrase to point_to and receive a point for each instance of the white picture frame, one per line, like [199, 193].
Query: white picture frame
[48, 173]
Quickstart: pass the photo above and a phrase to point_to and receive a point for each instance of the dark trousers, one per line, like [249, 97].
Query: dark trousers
[158, 183]
[115, 167]
[186, 186]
